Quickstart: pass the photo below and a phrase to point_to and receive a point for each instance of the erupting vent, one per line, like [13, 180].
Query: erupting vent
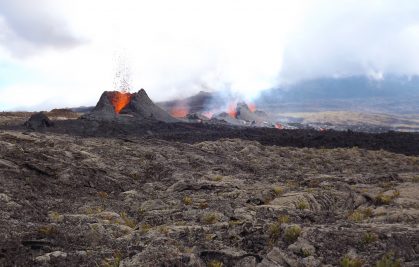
[232, 111]
[179, 111]
[119, 100]
[252, 107]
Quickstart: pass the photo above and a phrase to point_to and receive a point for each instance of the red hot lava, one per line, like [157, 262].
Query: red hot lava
[232, 109]
[119, 100]
[179, 111]
[278, 125]
[252, 107]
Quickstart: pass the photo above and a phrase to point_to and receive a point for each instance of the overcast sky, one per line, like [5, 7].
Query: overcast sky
[58, 53]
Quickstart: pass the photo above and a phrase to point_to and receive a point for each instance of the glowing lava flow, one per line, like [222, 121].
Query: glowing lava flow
[232, 111]
[119, 100]
[278, 125]
[252, 107]
[179, 111]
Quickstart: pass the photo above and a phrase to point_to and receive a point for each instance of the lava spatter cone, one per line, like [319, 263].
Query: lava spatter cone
[113, 105]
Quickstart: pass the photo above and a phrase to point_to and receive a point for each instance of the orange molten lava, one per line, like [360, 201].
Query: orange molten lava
[179, 111]
[232, 109]
[252, 107]
[119, 100]
[278, 125]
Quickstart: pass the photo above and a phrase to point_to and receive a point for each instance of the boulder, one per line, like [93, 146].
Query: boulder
[38, 121]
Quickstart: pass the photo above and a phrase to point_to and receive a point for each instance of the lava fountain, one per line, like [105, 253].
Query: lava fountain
[119, 100]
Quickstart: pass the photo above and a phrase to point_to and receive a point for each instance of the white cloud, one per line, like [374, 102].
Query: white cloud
[176, 47]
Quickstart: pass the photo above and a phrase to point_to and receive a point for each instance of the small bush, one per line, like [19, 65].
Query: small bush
[356, 216]
[367, 212]
[369, 238]
[283, 219]
[292, 233]
[48, 230]
[274, 231]
[302, 204]
[145, 228]
[278, 190]
[210, 218]
[388, 260]
[351, 262]
[127, 221]
[217, 178]
[382, 199]
[55, 216]
[115, 261]
[102, 195]
[163, 230]
[187, 200]
[234, 222]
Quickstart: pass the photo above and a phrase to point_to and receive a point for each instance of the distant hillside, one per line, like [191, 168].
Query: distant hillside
[393, 94]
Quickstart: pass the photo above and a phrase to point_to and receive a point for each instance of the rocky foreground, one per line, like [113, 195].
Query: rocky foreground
[86, 201]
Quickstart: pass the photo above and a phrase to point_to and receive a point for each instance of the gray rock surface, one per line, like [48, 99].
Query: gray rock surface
[72, 201]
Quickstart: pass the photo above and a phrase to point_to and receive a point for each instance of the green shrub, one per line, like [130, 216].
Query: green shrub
[187, 200]
[302, 204]
[292, 233]
[283, 219]
[274, 231]
[356, 216]
[351, 262]
[369, 238]
[278, 190]
[210, 218]
[127, 221]
[388, 260]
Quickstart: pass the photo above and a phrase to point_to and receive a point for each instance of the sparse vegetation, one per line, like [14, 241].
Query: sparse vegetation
[302, 204]
[145, 227]
[102, 195]
[55, 216]
[215, 263]
[163, 230]
[128, 221]
[115, 261]
[94, 210]
[283, 219]
[278, 190]
[210, 218]
[382, 199]
[351, 262]
[274, 232]
[369, 238]
[187, 200]
[217, 178]
[356, 216]
[360, 215]
[48, 230]
[178, 211]
[388, 260]
[292, 233]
